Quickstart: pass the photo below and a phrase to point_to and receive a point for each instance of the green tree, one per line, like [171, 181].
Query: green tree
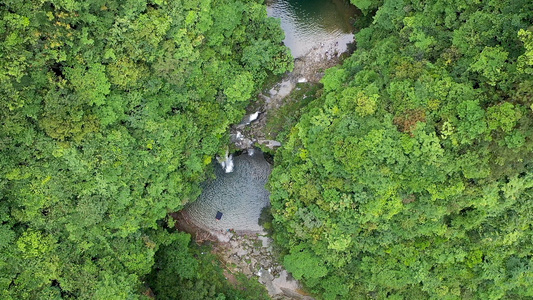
[110, 111]
[410, 177]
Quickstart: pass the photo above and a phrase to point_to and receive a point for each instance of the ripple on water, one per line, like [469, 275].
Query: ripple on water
[311, 23]
[240, 196]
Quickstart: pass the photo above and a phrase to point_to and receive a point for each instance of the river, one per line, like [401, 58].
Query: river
[317, 32]
[312, 28]
[310, 23]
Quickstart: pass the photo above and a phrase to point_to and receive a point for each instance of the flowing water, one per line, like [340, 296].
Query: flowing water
[238, 191]
[311, 23]
[239, 195]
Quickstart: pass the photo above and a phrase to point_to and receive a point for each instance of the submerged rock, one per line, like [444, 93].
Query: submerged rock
[251, 152]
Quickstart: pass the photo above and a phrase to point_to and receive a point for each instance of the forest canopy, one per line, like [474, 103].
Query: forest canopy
[111, 112]
[412, 176]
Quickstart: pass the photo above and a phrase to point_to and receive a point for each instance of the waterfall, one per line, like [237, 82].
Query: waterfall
[226, 164]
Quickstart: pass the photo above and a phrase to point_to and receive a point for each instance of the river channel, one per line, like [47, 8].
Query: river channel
[237, 195]
[311, 23]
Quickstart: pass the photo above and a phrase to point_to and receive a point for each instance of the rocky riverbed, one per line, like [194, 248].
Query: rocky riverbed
[308, 69]
[249, 252]
[252, 252]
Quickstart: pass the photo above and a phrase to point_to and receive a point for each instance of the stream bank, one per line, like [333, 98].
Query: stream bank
[307, 73]
[226, 215]
[252, 252]
[249, 249]
[319, 34]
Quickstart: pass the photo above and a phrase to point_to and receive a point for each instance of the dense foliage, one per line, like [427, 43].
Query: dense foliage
[412, 176]
[111, 112]
[178, 274]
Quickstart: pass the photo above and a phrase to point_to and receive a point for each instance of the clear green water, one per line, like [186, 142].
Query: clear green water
[313, 23]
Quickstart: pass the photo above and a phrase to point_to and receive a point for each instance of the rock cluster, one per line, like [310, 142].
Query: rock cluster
[254, 255]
